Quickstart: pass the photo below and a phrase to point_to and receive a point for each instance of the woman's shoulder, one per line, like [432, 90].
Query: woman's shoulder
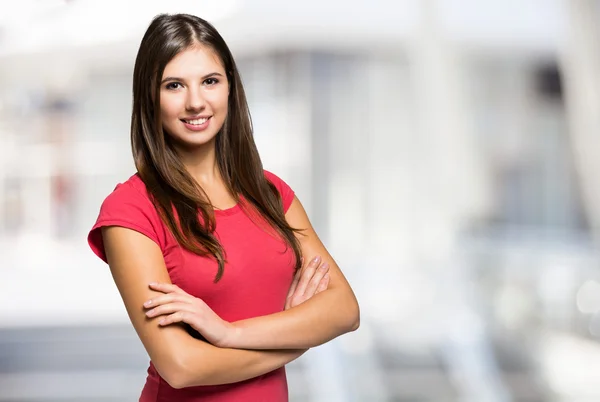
[273, 178]
[133, 185]
[285, 191]
[132, 189]
[129, 206]
[128, 197]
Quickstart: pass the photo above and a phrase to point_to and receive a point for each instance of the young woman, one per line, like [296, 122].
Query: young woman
[206, 247]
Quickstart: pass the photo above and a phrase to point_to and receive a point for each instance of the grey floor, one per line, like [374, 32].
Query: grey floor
[108, 364]
[68, 364]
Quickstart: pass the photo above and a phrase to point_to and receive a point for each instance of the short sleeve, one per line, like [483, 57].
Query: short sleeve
[286, 192]
[127, 207]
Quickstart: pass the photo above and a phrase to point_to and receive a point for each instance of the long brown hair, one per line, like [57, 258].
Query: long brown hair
[176, 195]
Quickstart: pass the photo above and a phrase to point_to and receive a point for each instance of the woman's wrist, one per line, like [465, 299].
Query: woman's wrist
[233, 337]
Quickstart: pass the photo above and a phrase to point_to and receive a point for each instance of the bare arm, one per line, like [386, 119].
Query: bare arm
[325, 316]
[181, 360]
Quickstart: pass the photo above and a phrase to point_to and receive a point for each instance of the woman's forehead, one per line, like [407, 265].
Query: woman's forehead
[195, 60]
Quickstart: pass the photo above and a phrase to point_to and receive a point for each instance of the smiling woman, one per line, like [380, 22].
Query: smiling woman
[193, 97]
[204, 245]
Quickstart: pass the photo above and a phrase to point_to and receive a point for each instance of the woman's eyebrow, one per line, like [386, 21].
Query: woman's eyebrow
[181, 79]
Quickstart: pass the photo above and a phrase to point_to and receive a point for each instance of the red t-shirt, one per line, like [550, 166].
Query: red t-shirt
[257, 276]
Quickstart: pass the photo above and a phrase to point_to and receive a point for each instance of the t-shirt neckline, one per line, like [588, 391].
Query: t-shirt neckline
[228, 211]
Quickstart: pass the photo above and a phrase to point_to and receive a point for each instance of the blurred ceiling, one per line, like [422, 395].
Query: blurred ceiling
[105, 34]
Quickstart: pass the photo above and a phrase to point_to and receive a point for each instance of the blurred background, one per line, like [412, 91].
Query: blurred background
[447, 152]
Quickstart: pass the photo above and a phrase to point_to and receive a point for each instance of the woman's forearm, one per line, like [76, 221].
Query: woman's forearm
[205, 364]
[324, 317]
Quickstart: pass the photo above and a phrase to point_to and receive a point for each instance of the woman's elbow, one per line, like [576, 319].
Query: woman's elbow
[355, 319]
[176, 382]
[174, 376]
[175, 372]
[351, 320]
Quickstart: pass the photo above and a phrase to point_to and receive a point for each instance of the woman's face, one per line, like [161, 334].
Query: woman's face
[193, 97]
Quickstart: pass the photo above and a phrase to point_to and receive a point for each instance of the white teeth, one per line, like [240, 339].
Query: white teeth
[196, 122]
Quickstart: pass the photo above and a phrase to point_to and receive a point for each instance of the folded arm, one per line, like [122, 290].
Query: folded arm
[325, 316]
[181, 360]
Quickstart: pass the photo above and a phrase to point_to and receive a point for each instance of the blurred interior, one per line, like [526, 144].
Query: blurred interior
[447, 153]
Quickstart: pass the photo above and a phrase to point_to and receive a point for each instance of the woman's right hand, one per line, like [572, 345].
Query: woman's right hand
[308, 281]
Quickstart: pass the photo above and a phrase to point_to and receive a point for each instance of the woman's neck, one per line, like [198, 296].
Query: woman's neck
[201, 164]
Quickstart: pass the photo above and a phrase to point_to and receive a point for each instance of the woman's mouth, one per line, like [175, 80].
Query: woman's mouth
[196, 124]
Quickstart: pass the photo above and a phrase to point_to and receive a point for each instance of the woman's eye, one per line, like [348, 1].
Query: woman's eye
[211, 81]
[173, 85]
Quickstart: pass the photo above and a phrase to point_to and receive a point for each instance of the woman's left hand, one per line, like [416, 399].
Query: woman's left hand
[178, 306]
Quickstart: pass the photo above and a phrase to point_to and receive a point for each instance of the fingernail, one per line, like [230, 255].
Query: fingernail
[149, 302]
[153, 283]
[317, 259]
[162, 321]
[324, 266]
